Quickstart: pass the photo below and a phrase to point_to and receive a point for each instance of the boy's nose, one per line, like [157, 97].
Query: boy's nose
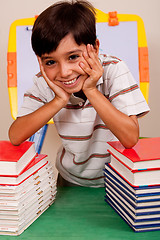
[65, 70]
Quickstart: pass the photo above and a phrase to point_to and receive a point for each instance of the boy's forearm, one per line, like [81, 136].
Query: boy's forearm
[125, 128]
[25, 126]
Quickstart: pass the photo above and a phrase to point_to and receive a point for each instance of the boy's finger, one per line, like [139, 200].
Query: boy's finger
[86, 68]
[91, 57]
[39, 61]
[42, 70]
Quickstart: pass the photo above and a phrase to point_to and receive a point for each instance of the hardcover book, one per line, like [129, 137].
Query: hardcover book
[136, 177]
[13, 159]
[145, 154]
[138, 191]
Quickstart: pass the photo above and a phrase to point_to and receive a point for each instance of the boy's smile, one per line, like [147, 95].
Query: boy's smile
[62, 65]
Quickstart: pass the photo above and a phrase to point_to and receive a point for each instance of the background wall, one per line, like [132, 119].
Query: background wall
[148, 10]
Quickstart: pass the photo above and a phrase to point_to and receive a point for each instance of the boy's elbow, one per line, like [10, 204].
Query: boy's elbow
[131, 137]
[13, 137]
[129, 143]
[14, 141]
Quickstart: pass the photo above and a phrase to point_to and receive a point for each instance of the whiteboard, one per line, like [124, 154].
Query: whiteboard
[120, 41]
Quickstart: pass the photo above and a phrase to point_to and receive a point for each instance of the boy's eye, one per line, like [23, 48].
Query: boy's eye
[50, 62]
[73, 57]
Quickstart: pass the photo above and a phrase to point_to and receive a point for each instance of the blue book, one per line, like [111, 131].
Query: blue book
[136, 207]
[117, 185]
[144, 215]
[140, 227]
[137, 191]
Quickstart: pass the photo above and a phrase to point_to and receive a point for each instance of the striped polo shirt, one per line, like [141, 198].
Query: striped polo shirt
[84, 135]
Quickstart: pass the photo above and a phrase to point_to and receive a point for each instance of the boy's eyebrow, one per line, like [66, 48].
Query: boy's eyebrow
[44, 57]
[74, 51]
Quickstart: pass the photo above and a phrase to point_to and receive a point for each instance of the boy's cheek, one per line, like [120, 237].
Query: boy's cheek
[49, 74]
[48, 70]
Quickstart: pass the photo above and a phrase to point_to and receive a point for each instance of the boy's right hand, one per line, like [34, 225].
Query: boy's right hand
[60, 94]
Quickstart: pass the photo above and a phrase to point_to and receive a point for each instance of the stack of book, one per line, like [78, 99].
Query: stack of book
[132, 183]
[27, 186]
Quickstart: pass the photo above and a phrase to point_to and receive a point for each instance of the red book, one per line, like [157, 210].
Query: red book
[13, 159]
[144, 155]
[36, 164]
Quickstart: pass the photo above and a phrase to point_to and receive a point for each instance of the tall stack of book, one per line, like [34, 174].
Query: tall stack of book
[132, 183]
[27, 186]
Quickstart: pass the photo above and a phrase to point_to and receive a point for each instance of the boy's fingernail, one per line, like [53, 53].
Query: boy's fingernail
[90, 46]
[85, 54]
[81, 64]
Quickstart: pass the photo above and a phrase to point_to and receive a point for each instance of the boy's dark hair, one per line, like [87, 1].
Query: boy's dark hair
[53, 24]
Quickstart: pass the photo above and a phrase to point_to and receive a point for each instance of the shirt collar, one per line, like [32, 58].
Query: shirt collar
[76, 100]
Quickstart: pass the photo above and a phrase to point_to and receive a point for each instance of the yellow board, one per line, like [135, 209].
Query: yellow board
[111, 18]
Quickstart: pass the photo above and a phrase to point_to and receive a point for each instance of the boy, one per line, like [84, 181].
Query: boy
[92, 99]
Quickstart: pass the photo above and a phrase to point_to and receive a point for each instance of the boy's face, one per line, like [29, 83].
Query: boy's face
[62, 65]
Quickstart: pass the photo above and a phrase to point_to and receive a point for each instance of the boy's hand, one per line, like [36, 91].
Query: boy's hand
[92, 67]
[60, 94]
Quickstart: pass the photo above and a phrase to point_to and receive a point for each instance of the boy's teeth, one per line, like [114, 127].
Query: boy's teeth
[70, 82]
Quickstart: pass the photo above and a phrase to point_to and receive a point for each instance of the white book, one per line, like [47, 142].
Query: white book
[34, 194]
[33, 205]
[36, 182]
[14, 190]
[12, 230]
[19, 219]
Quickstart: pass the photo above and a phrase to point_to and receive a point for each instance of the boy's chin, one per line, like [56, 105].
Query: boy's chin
[74, 91]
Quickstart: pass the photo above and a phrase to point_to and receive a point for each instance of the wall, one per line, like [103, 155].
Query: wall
[148, 10]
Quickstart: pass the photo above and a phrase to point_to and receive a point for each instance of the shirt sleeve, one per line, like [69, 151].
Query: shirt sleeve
[36, 96]
[123, 91]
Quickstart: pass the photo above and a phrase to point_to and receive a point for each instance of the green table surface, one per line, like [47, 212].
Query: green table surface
[81, 213]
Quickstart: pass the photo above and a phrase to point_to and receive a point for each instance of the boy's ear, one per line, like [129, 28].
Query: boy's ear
[96, 46]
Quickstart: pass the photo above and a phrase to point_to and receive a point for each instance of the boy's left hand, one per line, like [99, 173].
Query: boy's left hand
[92, 67]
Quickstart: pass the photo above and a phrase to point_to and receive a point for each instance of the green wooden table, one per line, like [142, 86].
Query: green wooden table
[81, 213]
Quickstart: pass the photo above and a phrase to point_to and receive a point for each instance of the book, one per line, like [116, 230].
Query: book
[130, 194]
[17, 230]
[141, 177]
[38, 162]
[145, 154]
[137, 227]
[145, 206]
[136, 203]
[132, 183]
[137, 191]
[143, 216]
[41, 180]
[23, 199]
[27, 186]
[136, 210]
[21, 206]
[13, 159]
[140, 211]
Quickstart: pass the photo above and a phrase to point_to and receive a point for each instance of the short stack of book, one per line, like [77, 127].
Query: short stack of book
[132, 183]
[27, 186]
